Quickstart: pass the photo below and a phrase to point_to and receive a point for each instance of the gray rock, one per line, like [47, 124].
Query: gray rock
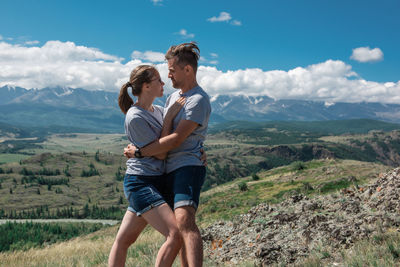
[286, 232]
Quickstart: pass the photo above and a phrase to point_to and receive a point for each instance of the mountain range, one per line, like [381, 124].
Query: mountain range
[84, 110]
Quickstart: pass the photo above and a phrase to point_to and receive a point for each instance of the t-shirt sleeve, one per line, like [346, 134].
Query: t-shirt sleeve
[161, 109]
[197, 110]
[141, 132]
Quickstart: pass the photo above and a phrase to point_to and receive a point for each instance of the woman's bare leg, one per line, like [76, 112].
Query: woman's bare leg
[163, 220]
[131, 227]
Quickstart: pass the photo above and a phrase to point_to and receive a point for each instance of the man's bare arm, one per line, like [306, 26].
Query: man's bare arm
[166, 130]
[169, 142]
[168, 123]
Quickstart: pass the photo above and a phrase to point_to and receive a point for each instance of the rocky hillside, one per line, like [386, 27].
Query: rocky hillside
[289, 231]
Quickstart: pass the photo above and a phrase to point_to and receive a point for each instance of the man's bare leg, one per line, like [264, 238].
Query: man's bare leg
[192, 250]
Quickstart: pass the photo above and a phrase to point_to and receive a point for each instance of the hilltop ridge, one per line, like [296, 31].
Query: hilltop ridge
[285, 233]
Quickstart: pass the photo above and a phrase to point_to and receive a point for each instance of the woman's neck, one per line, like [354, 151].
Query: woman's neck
[145, 102]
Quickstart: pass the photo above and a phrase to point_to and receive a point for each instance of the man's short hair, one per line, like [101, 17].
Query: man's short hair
[186, 54]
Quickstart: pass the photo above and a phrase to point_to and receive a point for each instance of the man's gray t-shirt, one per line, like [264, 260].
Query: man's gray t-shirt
[197, 108]
[142, 127]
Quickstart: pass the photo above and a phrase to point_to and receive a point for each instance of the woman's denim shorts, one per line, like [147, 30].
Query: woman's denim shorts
[143, 192]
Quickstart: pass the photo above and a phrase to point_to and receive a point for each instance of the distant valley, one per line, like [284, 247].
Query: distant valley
[37, 166]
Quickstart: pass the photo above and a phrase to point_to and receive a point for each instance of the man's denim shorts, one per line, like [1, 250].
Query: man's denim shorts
[184, 185]
[143, 192]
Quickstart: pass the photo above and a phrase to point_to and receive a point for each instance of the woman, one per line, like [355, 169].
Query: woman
[143, 182]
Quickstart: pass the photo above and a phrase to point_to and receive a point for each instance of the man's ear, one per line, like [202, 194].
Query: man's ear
[188, 69]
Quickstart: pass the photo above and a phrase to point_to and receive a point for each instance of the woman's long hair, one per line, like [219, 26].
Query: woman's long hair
[140, 75]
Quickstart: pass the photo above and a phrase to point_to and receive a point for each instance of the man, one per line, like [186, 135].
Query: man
[185, 170]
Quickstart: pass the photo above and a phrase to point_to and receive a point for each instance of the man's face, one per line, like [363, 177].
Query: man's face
[176, 73]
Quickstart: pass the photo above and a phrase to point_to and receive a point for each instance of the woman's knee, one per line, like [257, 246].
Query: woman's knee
[125, 241]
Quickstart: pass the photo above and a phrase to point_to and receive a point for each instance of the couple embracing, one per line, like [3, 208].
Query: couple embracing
[165, 167]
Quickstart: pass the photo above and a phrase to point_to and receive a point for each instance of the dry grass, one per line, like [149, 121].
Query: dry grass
[89, 250]
[92, 250]
[381, 250]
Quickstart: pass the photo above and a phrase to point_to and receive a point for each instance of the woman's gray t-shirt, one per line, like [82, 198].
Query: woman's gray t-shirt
[142, 127]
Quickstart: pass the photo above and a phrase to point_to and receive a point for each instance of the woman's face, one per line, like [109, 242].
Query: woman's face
[156, 85]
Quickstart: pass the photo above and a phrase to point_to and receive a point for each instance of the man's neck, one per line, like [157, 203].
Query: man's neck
[189, 86]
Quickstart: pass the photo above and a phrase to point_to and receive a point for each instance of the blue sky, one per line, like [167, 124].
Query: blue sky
[270, 36]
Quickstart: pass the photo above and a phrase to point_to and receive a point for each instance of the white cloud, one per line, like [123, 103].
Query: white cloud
[329, 81]
[156, 2]
[236, 22]
[209, 62]
[60, 63]
[185, 34]
[1, 37]
[223, 16]
[53, 51]
[32, 42]
[66, 64]
[148, 56]
[366, 54]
